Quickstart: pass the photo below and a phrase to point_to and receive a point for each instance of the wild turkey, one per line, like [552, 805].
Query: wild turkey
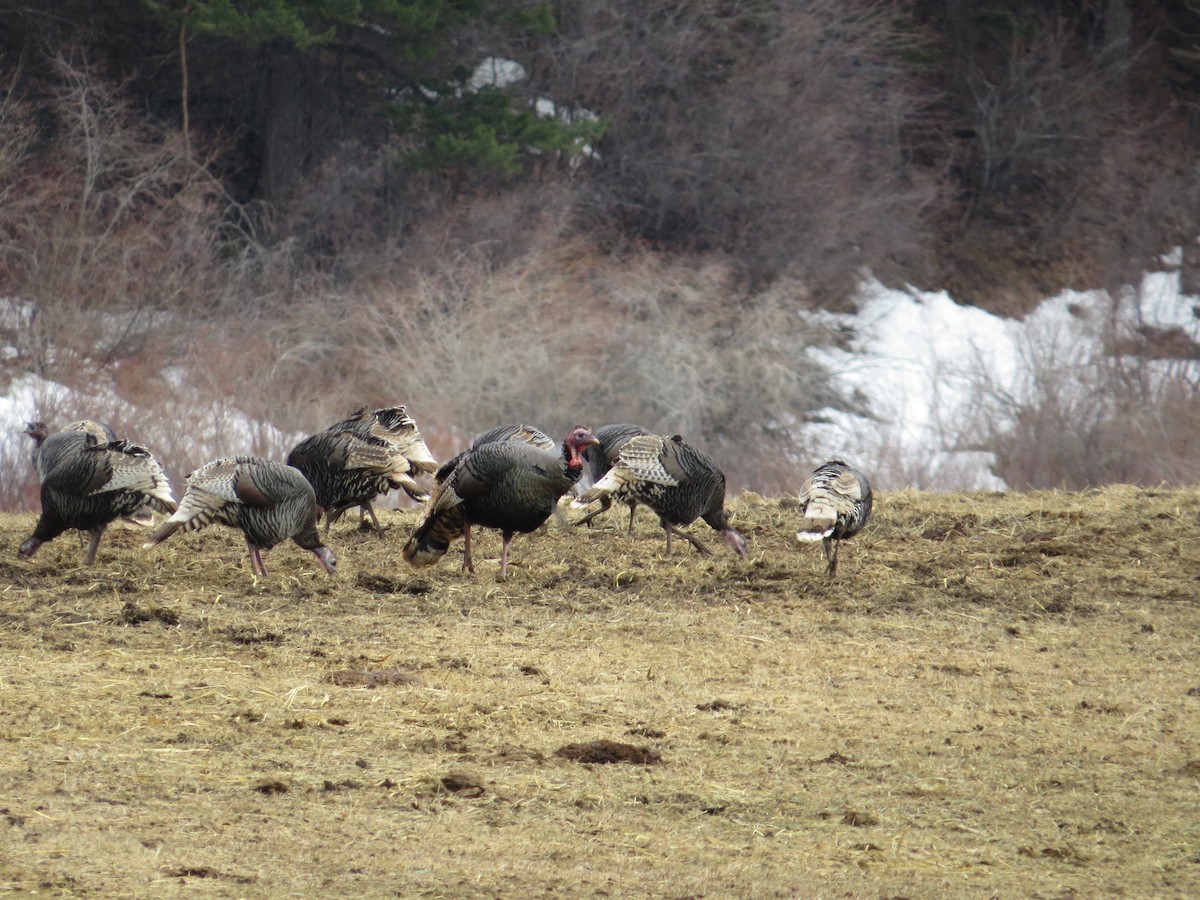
[267, 500]
[39, 431]
[353, 462]
[525, 434]
[674, 479]
[88, 482]
[510, 485]
[142, 517]
[600, 459]
[836, 503]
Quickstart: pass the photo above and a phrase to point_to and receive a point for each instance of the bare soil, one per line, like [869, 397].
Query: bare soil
[998, 696]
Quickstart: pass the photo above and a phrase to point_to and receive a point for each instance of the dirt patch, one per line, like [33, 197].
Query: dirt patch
[606, 752]
[133, 614]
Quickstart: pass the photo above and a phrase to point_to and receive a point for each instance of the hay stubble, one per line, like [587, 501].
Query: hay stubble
[999, 695]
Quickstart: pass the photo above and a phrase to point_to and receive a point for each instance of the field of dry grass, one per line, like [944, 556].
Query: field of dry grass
[999, 696]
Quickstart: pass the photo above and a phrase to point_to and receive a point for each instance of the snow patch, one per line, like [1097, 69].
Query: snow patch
[496, 71]
[921, 365]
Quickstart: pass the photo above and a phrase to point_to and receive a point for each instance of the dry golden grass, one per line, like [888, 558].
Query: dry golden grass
[998, 697]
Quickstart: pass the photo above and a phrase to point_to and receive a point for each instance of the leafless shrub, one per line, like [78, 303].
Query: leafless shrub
[1055, 138]
[18, 134]
[554, 340]
[684, 353]
[116, 225]
[461, 342]
[1036, 114]
[123, 258]
[774, 133]
[1095, 404]
[347, 207]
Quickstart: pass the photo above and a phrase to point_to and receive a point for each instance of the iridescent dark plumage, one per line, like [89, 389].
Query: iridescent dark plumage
[510, 485]
[353, 462]
[266, 500]
[835, 502]
[523, 434]
[676, 480]
[40, 431]
[88, 482]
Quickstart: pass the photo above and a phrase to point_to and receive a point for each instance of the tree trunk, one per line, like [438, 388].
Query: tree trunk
[286, 117]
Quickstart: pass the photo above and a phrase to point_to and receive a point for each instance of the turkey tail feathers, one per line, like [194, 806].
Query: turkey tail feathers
[644, 458]
[413, 489]
[433, 537]
[191, 516]
[819, 522]
[640, 460]
[611, 483]
[164, 531]
[204, 501]
[836, 503]
[815, 535]
[131, 467]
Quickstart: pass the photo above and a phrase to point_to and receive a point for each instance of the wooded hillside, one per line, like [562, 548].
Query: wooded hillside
[603, 211]
[948, 143]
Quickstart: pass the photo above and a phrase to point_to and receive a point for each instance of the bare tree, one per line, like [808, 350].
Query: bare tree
[774, 133]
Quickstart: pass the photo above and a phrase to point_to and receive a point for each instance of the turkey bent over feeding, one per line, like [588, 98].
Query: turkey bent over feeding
[835, 502]
[674, 479]
[510, 485]
[88, 482]
[353, 462]
[268, 501]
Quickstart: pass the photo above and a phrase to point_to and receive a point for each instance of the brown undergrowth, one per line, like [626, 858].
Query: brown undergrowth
[999, 696]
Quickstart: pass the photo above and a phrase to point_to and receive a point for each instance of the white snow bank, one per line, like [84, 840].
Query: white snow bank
[919, 363]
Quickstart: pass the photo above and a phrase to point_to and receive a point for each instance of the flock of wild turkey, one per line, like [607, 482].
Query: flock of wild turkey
[510, 479]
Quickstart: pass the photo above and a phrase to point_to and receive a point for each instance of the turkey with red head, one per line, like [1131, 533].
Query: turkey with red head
[601, 457]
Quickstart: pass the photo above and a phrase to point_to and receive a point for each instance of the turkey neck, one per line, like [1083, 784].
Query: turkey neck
[718, 520]
[574, 461]
[308, 537]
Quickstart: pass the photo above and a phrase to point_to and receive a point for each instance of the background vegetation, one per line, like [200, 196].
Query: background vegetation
[286, 209]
